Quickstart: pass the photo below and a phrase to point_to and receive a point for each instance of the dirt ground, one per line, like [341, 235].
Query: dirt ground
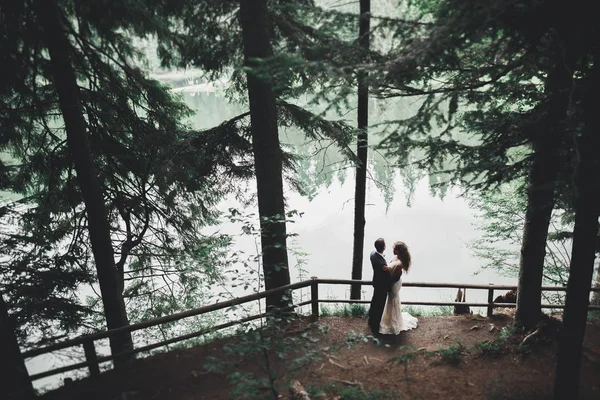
[338, 359]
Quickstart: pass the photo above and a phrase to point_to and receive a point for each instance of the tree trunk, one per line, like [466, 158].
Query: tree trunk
[596, 295]
[91, 191]
[16, 383]
[540, 195]
[587, 198]
[361, 152]
[267, 152]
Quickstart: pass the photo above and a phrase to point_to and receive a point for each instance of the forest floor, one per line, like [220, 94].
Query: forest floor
[451, 357]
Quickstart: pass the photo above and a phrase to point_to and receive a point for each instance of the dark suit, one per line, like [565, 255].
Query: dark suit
[382, 283]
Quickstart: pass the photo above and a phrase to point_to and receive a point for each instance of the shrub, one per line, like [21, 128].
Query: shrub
[453, 354]
[436, 311]
[358, 310]
[357, 393]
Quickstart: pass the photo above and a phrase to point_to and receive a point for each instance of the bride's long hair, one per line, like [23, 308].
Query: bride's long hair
[401, 250]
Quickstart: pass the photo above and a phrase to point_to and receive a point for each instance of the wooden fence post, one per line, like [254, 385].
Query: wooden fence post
[91, 357]
[314, 297]
[490, 309]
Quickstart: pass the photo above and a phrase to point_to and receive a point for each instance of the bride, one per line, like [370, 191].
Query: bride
[394, 320]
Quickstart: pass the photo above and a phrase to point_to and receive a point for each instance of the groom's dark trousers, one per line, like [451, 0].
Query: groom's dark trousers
[381, 285]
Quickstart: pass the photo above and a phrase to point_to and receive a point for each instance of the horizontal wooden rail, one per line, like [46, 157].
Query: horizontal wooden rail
[196, 334]
[161, 320]
[448, 303]
[60, 370]
[447, 285]
[153, 346]
[412, 303]
[92, 361]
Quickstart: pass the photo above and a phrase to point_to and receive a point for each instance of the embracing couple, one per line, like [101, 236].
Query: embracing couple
[385, 315]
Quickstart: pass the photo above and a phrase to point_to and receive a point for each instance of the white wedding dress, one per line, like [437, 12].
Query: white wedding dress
[394, 320]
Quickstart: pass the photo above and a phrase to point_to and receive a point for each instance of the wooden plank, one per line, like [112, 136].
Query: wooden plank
[161, 344]
[490, 309]
[60, 370]
[257, 296]
[446, 285]
[420, 303]
[91, 357]
[314, 295]
[450, 303]
[161, 320]
[197, 333]
[420, 284]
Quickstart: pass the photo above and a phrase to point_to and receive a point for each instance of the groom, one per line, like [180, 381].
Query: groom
[382, 283]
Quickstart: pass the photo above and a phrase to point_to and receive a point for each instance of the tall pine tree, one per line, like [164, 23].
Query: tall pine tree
[362, 143]
[158, 180]
[65, 82]
[254, 19]
[585, 234]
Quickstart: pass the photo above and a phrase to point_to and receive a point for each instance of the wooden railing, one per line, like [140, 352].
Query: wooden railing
[92, 360]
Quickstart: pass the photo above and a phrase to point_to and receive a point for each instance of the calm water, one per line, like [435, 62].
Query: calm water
[436, 230]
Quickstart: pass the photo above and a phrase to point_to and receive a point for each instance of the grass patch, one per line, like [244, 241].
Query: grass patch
[593, 316]
[435, 311]
[497, 346]
[276, 353]
[362, 310]
[354, 310]
[354, 338]
[325, 311]
[356, 393]
[404, 358]
[358, 310]
[453, 354]
[493, 348]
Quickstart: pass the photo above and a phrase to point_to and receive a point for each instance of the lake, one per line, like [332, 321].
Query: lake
[437, 230]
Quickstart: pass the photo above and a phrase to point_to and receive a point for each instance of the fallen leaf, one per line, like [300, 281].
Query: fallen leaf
[337, 364]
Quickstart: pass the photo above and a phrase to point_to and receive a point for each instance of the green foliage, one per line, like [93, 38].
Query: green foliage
[502, 217]
[435, 311]
[273, 353]
[354, 310]
[498, 346]
[480, 75]
[325, 311]
[358, 310]
[453, 354]
[353, 338]
[593, 316]
[160, 180]
[356, 393]
[408, 355]
[314, 391]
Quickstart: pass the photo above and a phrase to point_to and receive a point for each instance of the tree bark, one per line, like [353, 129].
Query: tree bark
[77, 141]
[596, 295]
[540, 197]
[16, 383]
[587, 198]
[361, 152]
[267, 151]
